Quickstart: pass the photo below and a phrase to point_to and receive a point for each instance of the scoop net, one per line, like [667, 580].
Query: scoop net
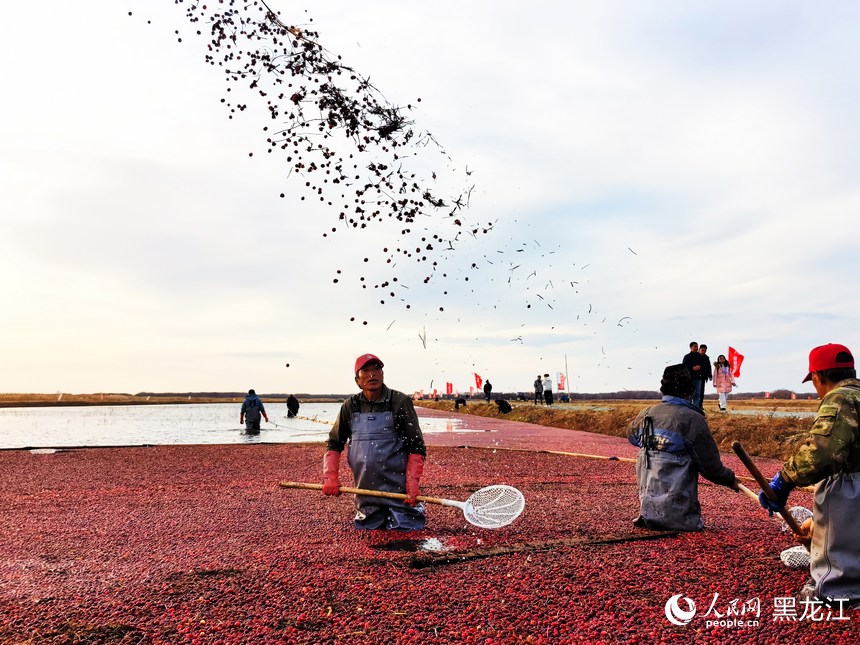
[796, 557]
[800, 515]
[494, 506]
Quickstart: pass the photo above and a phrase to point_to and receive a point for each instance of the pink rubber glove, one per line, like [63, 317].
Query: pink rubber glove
[414, 470]
[331, 467]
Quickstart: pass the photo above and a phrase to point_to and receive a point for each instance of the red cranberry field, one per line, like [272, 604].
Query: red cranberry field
[198, 544]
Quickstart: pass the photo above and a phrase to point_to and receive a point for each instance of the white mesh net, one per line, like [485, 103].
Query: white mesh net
[800, 515]
[494, 506]
[797, 557]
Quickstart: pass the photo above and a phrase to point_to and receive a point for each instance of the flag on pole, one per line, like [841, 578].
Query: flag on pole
[559, 377]
[449, 388]
[471, 390]
[478, 380]
[735, 360]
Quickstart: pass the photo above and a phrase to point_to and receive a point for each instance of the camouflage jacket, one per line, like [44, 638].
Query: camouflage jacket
[833, 443]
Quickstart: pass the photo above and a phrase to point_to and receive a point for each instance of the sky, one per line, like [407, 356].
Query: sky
[654, 172]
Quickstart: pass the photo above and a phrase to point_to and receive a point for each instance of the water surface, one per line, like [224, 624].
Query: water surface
[129, 425]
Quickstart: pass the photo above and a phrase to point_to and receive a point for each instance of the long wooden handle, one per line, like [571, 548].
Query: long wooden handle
[372, 493]
[765, 486]
[746, 491]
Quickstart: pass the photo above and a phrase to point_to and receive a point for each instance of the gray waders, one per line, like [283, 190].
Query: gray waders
[668, 486]
[252, 420]
[378, 461]
[668, 491]
[834, 561]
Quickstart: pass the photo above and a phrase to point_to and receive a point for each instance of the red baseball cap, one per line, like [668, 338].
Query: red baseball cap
[824, 358]
[364, 359]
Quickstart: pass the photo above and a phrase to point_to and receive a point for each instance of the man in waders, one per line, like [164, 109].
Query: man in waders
[252, 409]
[676, 446]
[292, 406]
[386, 451]
[830, 459]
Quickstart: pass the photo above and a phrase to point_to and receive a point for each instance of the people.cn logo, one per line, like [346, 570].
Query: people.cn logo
[675, 614]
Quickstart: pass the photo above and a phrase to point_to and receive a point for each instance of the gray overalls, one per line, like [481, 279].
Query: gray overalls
[835, 550]
[378, 461]
[668, 479]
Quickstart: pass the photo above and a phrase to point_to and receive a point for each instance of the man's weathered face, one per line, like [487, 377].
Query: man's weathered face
[370, 380]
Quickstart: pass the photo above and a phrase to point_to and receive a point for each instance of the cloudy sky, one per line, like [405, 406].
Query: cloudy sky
[655, 172]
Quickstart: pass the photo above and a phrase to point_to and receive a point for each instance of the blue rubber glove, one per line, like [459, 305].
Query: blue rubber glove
[781, 489]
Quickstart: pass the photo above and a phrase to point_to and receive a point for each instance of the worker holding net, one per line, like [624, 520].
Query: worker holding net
[829, 458]
[386, 451]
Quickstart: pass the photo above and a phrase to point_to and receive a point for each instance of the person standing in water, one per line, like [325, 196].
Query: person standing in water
[252, 410]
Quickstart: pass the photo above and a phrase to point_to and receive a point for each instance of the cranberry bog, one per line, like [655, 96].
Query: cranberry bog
[199, 544]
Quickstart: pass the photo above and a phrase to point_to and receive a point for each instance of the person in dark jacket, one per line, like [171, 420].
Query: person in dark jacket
[676, 446]
[252, 409]
[488, 388]
[697, 367]
[292, 406]
[386, 451]
[707, 371]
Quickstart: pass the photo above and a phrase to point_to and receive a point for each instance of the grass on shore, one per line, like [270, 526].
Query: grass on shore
[763, 435]
[12, 400]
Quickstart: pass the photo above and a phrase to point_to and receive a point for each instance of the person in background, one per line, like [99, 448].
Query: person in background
[538, 390]
[707, 373]
[693, 362]
[547, 389]
[830, 459]
[386, 451]
[249, 414]
[292, 406]
[488, 388]
[723, 380]
[676, 446]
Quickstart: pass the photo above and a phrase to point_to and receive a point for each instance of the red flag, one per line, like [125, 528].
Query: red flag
[735, 360]
[449, 388]
[559, 377]
[478, 381]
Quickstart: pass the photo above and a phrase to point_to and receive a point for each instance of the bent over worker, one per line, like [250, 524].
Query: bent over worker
[676, 446]
[386, 451]
[830, 459]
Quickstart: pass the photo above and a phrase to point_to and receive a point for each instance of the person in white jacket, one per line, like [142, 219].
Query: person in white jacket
[547, 389]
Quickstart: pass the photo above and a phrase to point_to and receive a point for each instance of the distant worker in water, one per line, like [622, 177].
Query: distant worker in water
[292, 406]
[386, 451]
[252, 409]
